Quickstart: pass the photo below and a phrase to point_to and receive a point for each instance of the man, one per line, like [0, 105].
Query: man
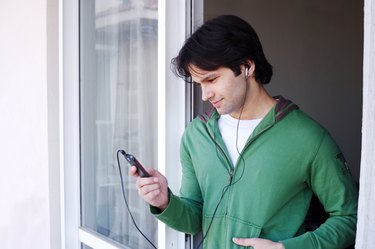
[251, 165]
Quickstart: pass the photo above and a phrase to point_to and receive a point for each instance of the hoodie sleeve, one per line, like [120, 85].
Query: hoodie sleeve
[332, 183]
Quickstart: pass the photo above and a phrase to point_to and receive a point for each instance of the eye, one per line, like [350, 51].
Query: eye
[212, 79]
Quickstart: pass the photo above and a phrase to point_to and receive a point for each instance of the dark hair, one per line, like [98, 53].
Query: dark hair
[225, 41]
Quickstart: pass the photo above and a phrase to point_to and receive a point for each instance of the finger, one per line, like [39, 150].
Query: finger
[133, 171]
[244, 241]
[149, 188]
[143, 181]
[150, 196]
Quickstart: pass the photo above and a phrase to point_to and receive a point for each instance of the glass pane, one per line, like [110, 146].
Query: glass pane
[118, 98]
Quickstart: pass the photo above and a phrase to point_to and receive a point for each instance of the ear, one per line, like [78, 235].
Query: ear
[249, 68]
[247, 72]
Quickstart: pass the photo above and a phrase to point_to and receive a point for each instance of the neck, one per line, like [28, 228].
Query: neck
[257, 103]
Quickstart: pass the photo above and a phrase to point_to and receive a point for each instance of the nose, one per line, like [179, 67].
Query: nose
[207, 92]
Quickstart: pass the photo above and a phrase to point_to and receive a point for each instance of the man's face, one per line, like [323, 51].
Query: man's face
[222, 88]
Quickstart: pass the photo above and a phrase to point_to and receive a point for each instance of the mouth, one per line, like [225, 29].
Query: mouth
[216, 103]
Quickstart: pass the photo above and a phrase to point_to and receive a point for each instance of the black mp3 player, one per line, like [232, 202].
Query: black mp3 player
[134, 162]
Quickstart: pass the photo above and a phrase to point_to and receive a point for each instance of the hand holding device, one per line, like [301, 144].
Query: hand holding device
[134, 162]
[152, 187]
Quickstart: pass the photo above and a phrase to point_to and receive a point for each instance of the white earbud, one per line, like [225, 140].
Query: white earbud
[247, 73]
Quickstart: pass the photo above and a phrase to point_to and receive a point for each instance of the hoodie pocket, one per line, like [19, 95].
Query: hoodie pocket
[225, 228]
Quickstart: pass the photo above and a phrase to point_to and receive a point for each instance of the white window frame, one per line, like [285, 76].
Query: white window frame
[171, 35]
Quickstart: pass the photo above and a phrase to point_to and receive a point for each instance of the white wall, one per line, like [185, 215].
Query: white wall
[24, 182]
[366, 215]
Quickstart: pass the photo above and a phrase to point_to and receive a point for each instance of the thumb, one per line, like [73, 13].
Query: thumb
[153, 172]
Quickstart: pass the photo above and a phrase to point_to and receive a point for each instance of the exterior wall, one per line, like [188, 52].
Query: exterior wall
[24, 172]
[366, 215]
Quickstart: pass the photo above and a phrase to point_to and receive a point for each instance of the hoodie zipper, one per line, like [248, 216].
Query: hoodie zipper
[233, 171]
[229, 167]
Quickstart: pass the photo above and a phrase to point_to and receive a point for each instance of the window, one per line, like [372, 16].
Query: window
[118, 110]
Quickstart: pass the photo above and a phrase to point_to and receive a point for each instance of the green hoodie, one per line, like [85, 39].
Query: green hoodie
[267, 193]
